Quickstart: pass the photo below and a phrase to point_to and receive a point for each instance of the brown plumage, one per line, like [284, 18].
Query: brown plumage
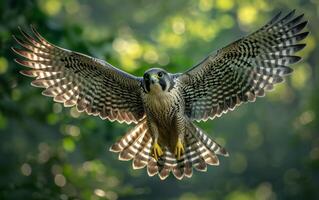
[164, 105]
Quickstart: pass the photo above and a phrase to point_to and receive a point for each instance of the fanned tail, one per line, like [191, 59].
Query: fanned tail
[136, 143]
[200, 150]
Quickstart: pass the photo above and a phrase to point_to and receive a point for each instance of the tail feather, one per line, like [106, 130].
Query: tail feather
[209, 143]
[142, 157]
[188, 170]
[152, 167]
[200, 151]
[194, 155]
[166, 164]
[129, 137]
[134, 147]
[129, 152]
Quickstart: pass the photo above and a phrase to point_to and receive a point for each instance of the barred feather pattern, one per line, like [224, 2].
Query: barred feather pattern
[200, 150]
[243, 70]
[72, 78]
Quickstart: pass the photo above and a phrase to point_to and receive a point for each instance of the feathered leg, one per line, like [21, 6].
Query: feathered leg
[179, 147]
[156, 149]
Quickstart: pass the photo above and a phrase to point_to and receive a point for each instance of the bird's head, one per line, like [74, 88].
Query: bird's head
[157, 80]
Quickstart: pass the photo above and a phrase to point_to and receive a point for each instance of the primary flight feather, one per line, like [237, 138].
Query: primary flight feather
[164, 105]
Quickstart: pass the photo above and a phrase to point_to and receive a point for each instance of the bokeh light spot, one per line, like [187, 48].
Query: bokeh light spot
[163, 59]
[205, 5]
[3, 65]
[112, 181]
[264, 192]
[300, 76]
[64, 197]
[255, 138]
[57, 108]
[247, 14]
[239, 195]
[72, 6]
[51, 7]
[129, 51]
[170, 39]
[178, 26]
[306, 117]
[225, 4]
[16, 94]
[226, 21]
[52, 118]
[99, 192]
[72, 130]
[26, 169]
[56, 169]
[44, 153]
[188, 196]
[282, 92]
[150, 56]
[111, 195]
[74, 112]
[59, 180]
[238, 163]
[68, 144]
[196, 28]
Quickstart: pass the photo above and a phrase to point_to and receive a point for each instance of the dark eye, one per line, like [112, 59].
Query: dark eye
[160, 74]
[146, 76]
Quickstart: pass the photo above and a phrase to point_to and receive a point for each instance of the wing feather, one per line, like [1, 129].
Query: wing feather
[72, 78]
[243, 70]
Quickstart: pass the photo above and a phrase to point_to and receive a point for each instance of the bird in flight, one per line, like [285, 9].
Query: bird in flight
[165, 105]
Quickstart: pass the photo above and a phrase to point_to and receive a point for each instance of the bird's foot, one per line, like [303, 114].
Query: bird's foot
[157, 151]
[179, 149]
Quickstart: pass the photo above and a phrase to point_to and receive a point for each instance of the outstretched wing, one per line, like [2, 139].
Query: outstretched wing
[93, 85]
[244, 69]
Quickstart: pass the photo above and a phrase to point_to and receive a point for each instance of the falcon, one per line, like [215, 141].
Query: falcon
[163, 105]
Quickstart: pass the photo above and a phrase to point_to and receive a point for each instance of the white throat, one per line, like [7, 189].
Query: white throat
[156, 89]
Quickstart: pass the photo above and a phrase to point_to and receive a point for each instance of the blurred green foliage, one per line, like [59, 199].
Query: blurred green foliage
[50, 152]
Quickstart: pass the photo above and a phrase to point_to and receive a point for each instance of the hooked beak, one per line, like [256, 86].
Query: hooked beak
[154, 78]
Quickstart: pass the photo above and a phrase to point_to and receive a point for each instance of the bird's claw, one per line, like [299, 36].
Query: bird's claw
[179, 149]
[157, 151]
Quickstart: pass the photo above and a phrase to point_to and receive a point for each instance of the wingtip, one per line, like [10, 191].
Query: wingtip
[276, 17]
[16, 60]
[15, 50]
[20, 52]
[27, 73]
[292, 12]
[115, 148]
[16, 39]
[301, 36]
[222, 151]
[301, 46]
[12, 49]
[33, 28]
[296, 59]
[20, 29]
[21, 62]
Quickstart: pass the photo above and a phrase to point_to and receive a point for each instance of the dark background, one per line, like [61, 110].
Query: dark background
[50, 152]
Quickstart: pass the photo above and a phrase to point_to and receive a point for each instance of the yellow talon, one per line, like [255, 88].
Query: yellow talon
[157, 151]
[179, 149]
